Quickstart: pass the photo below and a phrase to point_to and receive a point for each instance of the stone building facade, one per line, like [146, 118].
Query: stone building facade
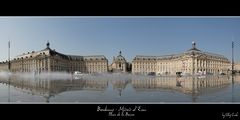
[120, 64]
[192, 61]
[48, 60]
[236, 67]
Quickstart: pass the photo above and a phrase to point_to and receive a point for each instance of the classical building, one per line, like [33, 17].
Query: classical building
[236, 67]
[191, 62]
[119, 64]
[48, 60]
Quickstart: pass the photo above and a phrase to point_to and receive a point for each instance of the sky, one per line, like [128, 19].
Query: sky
[139, 35]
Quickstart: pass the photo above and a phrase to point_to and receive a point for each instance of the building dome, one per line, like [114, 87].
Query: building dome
[119, 63]
[120, 57]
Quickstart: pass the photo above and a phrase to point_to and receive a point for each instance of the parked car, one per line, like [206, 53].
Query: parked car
[222, 74]
[158, 74]
[179, 74]
[151, 73]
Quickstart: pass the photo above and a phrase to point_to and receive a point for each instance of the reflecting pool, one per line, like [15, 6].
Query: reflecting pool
[120, 88]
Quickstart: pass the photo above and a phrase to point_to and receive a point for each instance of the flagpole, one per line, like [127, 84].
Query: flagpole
[9, 55]
[232, 57]
[9, 70]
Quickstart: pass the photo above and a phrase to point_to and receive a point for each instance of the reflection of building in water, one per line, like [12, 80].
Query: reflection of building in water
[51, 60]
[189, 85]
[191, 61]
[49, 88]
[120, 85]
[193, 86]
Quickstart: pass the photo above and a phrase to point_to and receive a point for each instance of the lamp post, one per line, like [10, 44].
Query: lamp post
[232, 69]
[232, 57]
[9, 55]
[9, 71]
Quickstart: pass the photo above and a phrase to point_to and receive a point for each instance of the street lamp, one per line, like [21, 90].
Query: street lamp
[232, 57]
[234, 44]
[9, 56]
[9, 71]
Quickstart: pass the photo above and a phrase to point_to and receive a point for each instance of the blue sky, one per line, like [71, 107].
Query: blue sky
[108, 35]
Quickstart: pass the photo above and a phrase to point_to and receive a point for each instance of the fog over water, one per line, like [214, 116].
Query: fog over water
[67, 76]
[43, 75]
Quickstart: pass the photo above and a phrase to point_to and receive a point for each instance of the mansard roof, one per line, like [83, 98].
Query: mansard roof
[95, 57]
[63, 56]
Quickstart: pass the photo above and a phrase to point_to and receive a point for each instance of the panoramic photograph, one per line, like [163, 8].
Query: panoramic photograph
[141, 59]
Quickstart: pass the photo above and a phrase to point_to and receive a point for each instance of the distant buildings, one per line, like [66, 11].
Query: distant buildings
[236, 66]
[48, 60]
[192, 61]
